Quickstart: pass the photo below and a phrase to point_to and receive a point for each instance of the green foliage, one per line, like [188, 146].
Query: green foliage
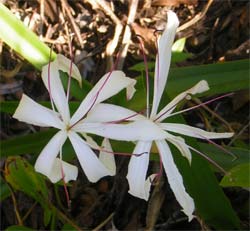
[238, 176]
[21, 176]
[211, 203]
[18, 228]
[22, 40]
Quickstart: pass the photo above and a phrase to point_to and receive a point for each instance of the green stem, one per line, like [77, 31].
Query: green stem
[14, 33]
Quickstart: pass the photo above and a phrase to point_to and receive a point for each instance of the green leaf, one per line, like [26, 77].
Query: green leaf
[75, 90]
[221, 77]
[21, 176]
[18, 228]
[224, 159]
[237, 176]
[5, 191]
[22, 40]
[32, 143]
[179, 45]
[68, 227]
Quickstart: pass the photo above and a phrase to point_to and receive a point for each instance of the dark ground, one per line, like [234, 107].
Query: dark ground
[216, 31]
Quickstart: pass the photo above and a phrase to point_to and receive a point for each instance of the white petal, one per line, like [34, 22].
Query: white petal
[107, 158]
[180, 144]
[55, 88]
[29, 111]
[64, 65]
[194, 132]
[90, 164]
[108, 85]
[200, 87]
[145, 130]
[108, 112]
[91, 142]
[137, 171]
[46, 159]
[175, 179]
[164, 57]
[61, 168]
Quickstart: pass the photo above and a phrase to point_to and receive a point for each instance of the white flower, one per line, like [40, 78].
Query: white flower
[31, 112]
[145, 130]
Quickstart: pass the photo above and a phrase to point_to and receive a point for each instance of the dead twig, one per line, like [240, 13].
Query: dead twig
[103, 223]
[76, 29]
[197, 18]
[111, 46]
[127, 33]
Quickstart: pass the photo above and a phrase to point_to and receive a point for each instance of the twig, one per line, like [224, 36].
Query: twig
[65, 6]
[214, 114]
[239, 133]
[103, 223]
[127, 33]
[63, 217]
[111, 46]
[19, 219]
[197, 18]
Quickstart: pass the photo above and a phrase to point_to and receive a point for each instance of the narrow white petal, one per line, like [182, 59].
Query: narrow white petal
[137, 171]
[64, 65]
[194, 132]
[90, 164]
[145, 130]
[55, 88]
[46, 159]
[108, 85]
[61, 168]
[91, 141]
[200, 87]
[175, 179]
[107, 157]
[180, 144]
[109, 113]
[29, 111]
[164, 57]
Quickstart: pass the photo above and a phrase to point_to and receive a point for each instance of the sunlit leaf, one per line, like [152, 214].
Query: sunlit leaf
[237, 176]
[179, 45]
[21, 176]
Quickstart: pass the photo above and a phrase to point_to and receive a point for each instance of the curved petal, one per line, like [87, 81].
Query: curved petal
[163, 59]
[50, 73]
[194, 132]
[137, 171]
[145, 130]
[46, 160]
[29, 111]
[175, 179]
[110, 113]
[108, 85]
[200, 87]
[180, 144]
[64, 65]
[61, 168]
[107, 157]
[90, 164]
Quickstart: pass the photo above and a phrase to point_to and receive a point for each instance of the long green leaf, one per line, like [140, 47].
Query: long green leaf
[31, 143]
[22, 40]
[221, 77]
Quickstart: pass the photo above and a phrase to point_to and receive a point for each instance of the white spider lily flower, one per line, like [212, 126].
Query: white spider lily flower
[29, 111]
[146, 130]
